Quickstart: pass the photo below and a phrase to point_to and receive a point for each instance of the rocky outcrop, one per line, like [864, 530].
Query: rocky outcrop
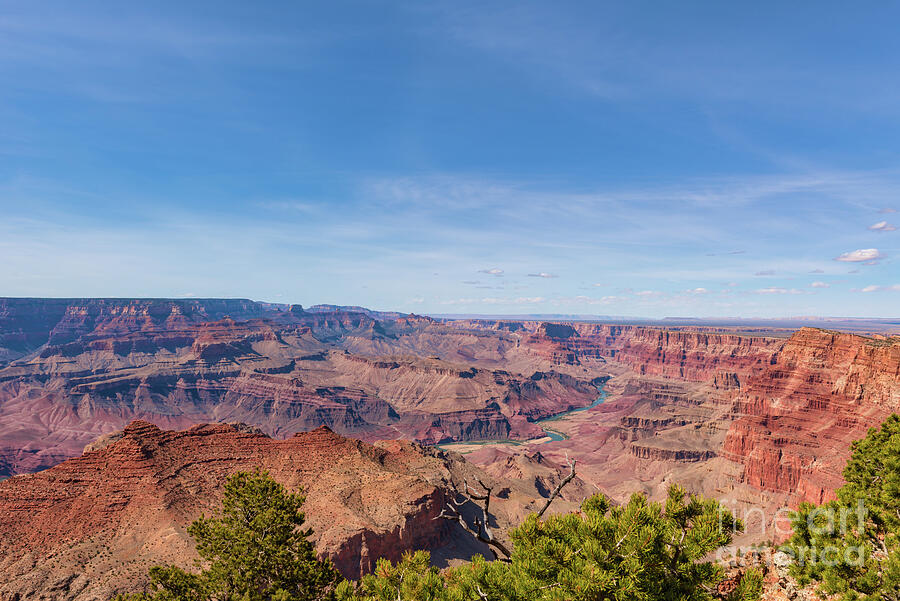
[662, 454]
[90, 366]
[90, 527]
[772, 416]
[797, 417]
[696, 354]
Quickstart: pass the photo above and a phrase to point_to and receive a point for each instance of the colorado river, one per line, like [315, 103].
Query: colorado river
[551, 435]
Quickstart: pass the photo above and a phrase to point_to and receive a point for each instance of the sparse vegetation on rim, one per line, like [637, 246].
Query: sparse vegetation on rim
[257, 550]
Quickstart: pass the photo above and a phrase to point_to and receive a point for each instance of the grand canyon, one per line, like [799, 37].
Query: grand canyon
[121, 418]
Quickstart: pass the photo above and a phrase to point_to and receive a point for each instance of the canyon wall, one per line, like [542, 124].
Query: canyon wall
[776, 414]
[772, 414]
[795, 419]
[91, 526]
[89, 367]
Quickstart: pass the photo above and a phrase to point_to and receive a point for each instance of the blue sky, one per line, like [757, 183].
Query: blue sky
[631, 158]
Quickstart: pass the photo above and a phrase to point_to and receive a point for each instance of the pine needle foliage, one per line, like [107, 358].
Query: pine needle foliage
[851, 546]
[642, 551]
[256, 549]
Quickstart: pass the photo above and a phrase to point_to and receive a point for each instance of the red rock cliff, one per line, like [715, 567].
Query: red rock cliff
[797, 416]
[94, 523]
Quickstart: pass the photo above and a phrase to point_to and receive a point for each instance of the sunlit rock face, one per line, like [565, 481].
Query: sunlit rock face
[73, 370]
[91, 526]
[765, 419]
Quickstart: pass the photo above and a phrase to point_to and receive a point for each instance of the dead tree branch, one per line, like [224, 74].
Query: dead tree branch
[481, 529]
[559, 487]
[481, 501]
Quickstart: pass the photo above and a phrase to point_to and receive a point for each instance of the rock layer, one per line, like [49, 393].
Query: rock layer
[764, 419]
[88, 367]
[91, 526]
[798, 416]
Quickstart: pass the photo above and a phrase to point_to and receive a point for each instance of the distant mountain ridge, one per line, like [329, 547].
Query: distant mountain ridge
[74, 369]
[354, 309]
[26, 324]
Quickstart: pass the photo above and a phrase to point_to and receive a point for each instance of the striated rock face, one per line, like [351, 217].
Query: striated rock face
[798, 416]
[762, 420]
[91, 526]
[83, 368]
[688, 354]
[27, 324]
[662, 454]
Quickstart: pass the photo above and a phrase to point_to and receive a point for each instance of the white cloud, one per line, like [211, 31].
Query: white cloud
[775, 290]
[522, 300]
[289, 205]
[765, 272]
[882, 226]
[542, 275]
[604, 300]
[820, 285]
[887, 210]
[871, 288]
[861, 255]
[494, 271]
[697, 291]
[874, 288]
[648, 293]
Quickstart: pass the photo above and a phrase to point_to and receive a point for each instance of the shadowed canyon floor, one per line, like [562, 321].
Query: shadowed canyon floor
[757, 420]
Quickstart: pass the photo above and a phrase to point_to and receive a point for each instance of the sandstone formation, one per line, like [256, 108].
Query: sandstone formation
[81, 369]
[761, 418]
[761, 421]
[91, 526]
[797, 418]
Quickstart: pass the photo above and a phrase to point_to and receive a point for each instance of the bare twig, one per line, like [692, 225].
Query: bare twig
[481, 529]
[559, 487]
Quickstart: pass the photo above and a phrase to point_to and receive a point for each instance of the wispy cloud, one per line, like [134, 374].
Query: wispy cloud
[777, 290]
[820, 285]
[521, 300]
[542, 275]
[732, 252]
[495, 271]
[882, 226]
[298, 206]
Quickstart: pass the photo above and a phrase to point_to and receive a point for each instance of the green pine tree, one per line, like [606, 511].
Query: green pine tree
[642, 551]
[851, 546]
[255, 550]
